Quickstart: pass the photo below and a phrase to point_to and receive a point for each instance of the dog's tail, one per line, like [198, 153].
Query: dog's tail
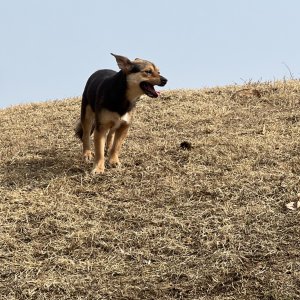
[79, 130]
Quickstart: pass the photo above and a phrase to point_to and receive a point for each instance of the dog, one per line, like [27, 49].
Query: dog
[108, 102]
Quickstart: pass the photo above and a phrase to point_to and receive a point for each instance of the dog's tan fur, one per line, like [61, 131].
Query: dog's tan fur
[112, 134]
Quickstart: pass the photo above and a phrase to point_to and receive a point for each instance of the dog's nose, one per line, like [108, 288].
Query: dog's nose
[163, 81]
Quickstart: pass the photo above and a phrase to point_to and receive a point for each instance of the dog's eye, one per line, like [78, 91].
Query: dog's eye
[149, 72]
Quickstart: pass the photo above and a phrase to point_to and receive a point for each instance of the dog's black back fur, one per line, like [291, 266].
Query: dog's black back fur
[105, 89]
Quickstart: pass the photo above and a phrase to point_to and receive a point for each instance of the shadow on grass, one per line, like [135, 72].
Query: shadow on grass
[36, 169]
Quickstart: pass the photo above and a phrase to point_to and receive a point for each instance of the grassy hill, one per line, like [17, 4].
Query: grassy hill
[206, 222]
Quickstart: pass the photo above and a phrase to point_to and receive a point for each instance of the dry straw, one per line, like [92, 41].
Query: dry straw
[197, 210]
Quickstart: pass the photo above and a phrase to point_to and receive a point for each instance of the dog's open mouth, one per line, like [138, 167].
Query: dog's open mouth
[149, 89]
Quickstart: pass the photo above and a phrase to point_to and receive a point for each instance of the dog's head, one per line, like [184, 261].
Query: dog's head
[142, 75]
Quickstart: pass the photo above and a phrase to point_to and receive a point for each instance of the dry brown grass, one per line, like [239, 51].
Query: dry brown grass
[202, 222]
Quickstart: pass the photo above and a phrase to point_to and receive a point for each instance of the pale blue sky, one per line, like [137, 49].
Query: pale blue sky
[49, 48]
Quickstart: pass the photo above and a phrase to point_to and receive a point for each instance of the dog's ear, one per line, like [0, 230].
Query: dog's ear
[123, 62]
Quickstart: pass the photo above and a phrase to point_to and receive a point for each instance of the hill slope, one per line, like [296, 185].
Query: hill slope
[208, 222]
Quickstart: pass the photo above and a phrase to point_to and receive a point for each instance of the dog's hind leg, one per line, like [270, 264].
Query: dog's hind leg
[120, 135]
[99, 140]
[110, 140]
[87, 123]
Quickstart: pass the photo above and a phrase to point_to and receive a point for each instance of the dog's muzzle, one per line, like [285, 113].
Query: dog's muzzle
[149, 89]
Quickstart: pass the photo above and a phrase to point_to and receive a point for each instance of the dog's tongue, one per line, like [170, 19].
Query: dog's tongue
[152, 91]
[149, 90]
[155, 93]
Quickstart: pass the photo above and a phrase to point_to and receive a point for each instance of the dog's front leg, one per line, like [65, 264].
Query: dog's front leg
[120, 136]
[99, 141]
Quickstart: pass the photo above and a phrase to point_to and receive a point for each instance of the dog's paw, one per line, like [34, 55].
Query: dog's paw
[114, 162]
[98, 167]
[97, 170]
[88, 155]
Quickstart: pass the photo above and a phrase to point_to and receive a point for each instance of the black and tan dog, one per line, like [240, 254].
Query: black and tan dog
[108, 102]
